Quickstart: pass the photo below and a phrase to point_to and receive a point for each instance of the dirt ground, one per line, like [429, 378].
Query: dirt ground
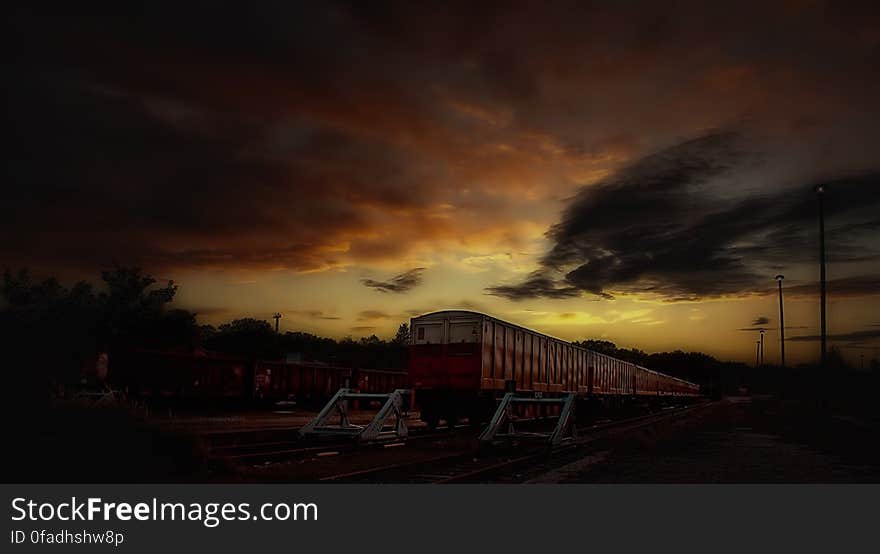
[739, 440]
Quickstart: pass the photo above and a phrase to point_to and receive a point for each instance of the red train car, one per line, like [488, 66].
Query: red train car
[460, 361]
[310, 381]
[181, 375]
[214, 376]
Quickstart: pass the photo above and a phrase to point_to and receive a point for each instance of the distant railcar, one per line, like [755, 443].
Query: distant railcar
[313, 381]
[459, 361]
[180, 375]
[215, 376]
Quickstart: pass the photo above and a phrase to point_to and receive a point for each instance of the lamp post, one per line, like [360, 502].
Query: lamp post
[277, 318]
[820, 193]
[779, 279]
[761, 343]
[757, 353]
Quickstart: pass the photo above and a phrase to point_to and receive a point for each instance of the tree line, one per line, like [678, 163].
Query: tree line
[55, 331]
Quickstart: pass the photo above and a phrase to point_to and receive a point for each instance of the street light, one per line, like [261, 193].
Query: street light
[757, 353]
[779, 279]
[820, 193]
[761, 343]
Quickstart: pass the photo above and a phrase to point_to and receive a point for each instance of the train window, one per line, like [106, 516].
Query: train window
[464, 332]
[429, 334]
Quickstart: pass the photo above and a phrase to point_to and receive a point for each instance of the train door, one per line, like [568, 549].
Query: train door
[498, 354]
[488, 348]
[528, 340]
[540, 361]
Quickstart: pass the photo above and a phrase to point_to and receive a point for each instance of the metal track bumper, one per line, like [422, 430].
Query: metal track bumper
[504, 419]
[338, 407]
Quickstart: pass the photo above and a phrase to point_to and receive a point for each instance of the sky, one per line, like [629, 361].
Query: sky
[633, 171]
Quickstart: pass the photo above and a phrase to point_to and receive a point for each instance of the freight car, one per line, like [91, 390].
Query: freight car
[211, 376]
[460, 361]
[159, 374]
[314, 382]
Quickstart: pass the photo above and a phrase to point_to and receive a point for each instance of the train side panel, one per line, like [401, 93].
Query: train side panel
[457, 357]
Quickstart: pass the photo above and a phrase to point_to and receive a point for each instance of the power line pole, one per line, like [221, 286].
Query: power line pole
[779, 279]
[761, 342]
[820, 192]
[277, 318]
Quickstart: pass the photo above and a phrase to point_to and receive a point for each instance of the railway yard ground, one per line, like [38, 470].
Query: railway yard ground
[746, 439]
[739, 440]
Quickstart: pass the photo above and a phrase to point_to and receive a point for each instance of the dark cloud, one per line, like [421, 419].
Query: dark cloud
[537, 285]
[854, 337]
[858, 285]
[314, 314]
[369, 315]
[399, 283]
[668, 224]
[304, 136]
[759, 324]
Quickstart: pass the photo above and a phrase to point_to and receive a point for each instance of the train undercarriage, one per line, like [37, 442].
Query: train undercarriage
[451, 407]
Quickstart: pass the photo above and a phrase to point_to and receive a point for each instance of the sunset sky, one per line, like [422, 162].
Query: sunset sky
[631, 171]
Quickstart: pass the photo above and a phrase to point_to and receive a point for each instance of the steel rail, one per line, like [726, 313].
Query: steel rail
[463, 466]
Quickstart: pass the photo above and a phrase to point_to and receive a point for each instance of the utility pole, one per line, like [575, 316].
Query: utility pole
[820, 192]
[761, 343]
[277, 318]
[779, 279]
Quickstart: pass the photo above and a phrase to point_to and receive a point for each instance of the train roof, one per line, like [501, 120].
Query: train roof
[467, 313]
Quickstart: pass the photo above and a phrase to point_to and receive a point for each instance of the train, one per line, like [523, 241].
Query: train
[461, 361]
[215, 377]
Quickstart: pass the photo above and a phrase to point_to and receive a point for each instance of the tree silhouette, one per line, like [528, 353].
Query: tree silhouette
[403, 334]
[58, 331]
[246, 336]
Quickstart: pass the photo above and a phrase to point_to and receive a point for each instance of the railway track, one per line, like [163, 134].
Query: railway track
[240, 448]
[503, 465]
[295, 447]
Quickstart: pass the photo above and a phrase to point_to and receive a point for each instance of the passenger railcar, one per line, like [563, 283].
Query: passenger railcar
[459, 361]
